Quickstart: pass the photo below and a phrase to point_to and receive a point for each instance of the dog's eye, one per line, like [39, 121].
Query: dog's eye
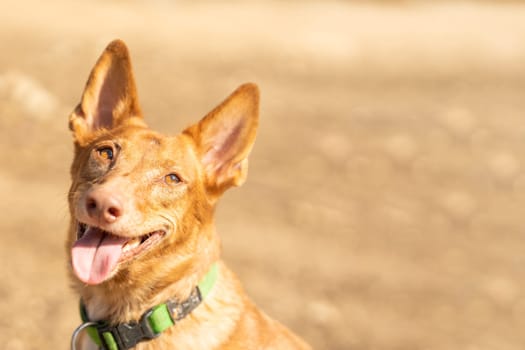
[172, 179]
[105, 153]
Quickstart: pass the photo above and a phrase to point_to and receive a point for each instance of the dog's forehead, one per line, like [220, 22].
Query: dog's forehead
[153, 149]
[145, 139]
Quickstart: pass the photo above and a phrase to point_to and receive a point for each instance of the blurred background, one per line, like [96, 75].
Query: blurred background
[384, 204]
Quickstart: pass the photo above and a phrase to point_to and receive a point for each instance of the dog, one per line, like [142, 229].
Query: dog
[143, 250]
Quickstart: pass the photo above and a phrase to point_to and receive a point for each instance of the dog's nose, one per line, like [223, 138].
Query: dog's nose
[104, 206]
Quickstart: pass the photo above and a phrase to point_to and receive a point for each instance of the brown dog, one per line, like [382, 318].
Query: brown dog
[142, 243]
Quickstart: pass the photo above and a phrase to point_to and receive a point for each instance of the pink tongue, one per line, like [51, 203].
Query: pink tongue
[95, 255]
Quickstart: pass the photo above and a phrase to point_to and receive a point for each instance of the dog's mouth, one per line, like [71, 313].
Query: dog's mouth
[97, 254]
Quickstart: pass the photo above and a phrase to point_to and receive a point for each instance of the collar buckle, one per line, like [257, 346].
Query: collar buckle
[147, 330]
[126, 335]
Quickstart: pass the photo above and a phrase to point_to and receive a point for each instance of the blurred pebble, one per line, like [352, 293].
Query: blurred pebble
[398, 215]
[455, 262]
[323, 312]
[27, 93]
[479, 312]
[14, 344]
[482, 139]
[518, 308]
[335, 147]
[401, 148]
[313, 215]
[476, 347]
[519, 185]
[460, 206]
[504, 166]
[459, 121]
[502, 290]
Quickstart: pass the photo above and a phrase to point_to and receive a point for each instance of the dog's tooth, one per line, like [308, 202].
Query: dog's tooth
[131, 244]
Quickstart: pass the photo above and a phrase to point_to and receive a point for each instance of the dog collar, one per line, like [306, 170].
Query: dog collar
[152, 323]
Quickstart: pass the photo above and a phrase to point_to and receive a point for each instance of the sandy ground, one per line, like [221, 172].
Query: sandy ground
[385, 198]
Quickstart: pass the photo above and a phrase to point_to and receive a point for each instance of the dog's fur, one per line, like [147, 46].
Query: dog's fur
[122, 183]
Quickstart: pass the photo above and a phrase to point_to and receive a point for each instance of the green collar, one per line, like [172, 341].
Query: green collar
[153, 322]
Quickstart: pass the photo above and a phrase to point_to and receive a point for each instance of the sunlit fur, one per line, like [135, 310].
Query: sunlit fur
[209, 157]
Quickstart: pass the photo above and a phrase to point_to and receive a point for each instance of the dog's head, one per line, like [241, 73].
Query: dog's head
[142, 203]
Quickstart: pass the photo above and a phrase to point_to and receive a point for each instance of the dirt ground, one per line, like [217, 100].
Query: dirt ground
[385, 201]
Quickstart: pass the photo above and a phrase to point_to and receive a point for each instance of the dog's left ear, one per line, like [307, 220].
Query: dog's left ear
[110, 96]
[225, 137]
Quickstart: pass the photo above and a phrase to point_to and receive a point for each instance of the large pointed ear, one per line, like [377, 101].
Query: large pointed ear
[110, 95]
[225, 137]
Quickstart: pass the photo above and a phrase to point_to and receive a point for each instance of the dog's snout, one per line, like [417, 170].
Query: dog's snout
[104, 206]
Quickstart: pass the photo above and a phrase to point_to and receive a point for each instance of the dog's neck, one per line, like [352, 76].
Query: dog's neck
[223, 307]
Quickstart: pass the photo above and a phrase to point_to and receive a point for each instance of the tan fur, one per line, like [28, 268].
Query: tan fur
[209, 157]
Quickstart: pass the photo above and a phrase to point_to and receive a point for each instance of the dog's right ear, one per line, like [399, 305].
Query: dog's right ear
[110, 96]
[225, 137]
